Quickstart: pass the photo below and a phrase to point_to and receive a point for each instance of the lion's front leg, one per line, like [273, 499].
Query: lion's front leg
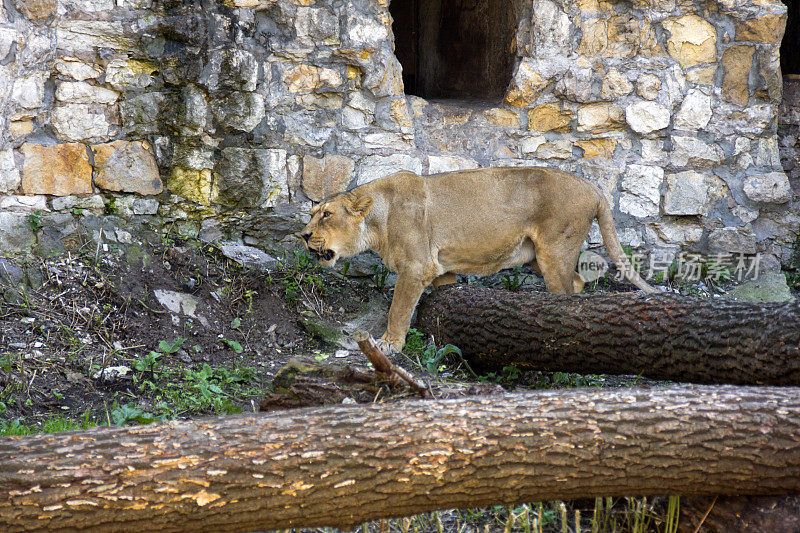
[407, 291]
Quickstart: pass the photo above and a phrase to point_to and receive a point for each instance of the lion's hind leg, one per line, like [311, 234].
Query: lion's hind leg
[447, 278]
[577, 281]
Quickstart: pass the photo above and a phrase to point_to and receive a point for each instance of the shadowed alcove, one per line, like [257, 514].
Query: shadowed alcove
[455, 48]
[790, 46]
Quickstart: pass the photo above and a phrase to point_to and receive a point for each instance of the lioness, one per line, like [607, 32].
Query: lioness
[428, 229]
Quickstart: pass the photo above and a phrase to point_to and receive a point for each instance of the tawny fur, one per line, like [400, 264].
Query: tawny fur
[427, 229]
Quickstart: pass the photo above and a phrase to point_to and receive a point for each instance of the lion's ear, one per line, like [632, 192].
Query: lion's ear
[361, 206]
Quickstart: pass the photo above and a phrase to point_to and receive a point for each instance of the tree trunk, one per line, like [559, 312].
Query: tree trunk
[657, 336]
[344, 465]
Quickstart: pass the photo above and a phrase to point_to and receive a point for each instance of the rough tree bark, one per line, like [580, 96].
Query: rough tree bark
[346, 464]
[658, 336]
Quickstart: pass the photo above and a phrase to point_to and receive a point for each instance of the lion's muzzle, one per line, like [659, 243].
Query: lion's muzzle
[315, 246]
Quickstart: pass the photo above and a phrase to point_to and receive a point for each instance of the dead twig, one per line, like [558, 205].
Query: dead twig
[393, 373]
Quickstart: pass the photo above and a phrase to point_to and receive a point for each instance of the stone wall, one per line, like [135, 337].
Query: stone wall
[227, 119]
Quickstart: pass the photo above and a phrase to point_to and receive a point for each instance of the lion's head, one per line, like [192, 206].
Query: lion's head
[336, 227]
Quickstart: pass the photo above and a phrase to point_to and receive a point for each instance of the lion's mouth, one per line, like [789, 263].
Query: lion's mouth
[325, 255]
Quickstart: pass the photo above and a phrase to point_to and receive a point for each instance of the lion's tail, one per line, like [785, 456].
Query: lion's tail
[609, 233]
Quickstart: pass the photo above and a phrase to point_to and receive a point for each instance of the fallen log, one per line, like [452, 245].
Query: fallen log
[667, 337]
[343, 465]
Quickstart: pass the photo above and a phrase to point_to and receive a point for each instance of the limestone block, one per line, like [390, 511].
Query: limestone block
[86, 36]
[326, 176]
[364, 29]
[559, 149]
[320, 101]
[692, 40]
[76, 122]
[384, 77]
[677, 232]
[733, 240]
[647, 117]
[446, 163]
[769, 70]
[398, 110]
[615, 84]
[653, 151]
[125, 166]
[768, 29]
[600, 118]
[377, 166]
[647, 86]
[502, 117]
[83, 93]
[736, 62]
[316, 25]
[772, 187]
[37, 9]
[702, 74]
[527, 84]
[59, 170]
[192, 184]
[691, 193]
[695, 111]
[28, 91]
[693, 152]
[16, 235]
[27, 204]
[9, 173]
[230, 69]
[575, 84]
[143, 114]
[307, 78]
[77, 69]
[239, 111]
[193, 111]
[551, 31]
[599, 147]
[126, 74]
[529, 145]
[549, 117]
[641, 190]
[245, 177]
[19, 128]
[88, 6]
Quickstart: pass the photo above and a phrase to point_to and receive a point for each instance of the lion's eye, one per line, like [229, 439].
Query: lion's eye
[326, 214]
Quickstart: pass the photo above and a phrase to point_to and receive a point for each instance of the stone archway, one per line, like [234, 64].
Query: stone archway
[456, 48]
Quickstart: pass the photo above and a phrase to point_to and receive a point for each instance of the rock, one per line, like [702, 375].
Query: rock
[502, 117]
[9, 173]
[702, 74]
[127, 74]
[37, 9]
[192, 184]
[693, 152]
[77, 69]
[177, 302]
[144, 114]
[529, 145]
[641, 190]
[239, 111]
[692, 40]
[677, 232]
[615, 84]
[768, 29]
[307, 78]
[26, 204]
[601, 147]
[28, 91]
[769, 70]
[249, 256]
[695, 111]
[736, 62]
[16, 234]
[125, 166]
[732, 239]
[558, 149]
[549, 117]
[772, 187]
[377, 166]
[112, 373]
[326, 176]
[76, 122]
[690, 193]
[653, 151]
[83, 93]
[647, 117]
[230, 69]
[60, 170]
[770, 287]
[526, 84]
[600, 118]
[575, 85]
[10, 272]
[438, 164]
[647, 86]
[317, 25]
[248, 177]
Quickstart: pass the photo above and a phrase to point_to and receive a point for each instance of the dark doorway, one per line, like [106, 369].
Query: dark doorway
[455, 48]
[790, 46]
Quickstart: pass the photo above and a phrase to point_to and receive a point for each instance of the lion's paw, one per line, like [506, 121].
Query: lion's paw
[389, 347]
